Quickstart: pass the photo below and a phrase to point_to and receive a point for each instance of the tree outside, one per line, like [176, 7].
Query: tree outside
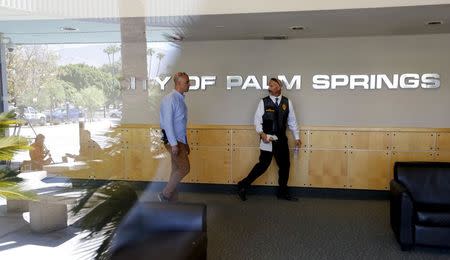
[51, 95]
[160, 56]
[111, 50]
[82, 76]
[92, 99]
[35, 79]
[28, 69]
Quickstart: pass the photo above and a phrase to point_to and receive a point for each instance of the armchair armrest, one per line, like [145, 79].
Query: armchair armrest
[401, 214]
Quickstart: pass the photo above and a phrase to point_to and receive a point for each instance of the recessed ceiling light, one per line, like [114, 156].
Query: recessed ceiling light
[68, 29]
[435, 22]
[176, 38]
[297, 28]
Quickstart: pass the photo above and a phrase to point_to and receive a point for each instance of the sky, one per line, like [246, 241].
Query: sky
[92, 54]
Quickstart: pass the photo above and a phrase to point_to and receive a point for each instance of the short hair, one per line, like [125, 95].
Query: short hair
[40, 136]
[179, 75]
[277, 81]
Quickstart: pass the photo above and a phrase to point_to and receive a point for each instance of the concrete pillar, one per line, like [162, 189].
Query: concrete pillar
[134, 63]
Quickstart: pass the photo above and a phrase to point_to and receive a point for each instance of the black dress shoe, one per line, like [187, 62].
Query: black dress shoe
[242, 194]
[162, 198]
[287, 197]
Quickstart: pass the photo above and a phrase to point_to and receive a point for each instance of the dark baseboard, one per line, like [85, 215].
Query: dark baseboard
[260, 190]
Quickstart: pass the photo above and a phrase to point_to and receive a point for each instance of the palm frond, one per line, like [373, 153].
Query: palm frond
[103, 252]
[10, 190]
[9, 118]
[90, 187]
[8, 174]
[10, 145]
[107, 206]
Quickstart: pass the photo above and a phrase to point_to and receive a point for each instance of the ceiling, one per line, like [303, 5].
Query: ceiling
[325, 23]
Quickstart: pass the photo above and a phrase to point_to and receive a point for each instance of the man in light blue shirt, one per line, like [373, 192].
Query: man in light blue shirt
[173, 121]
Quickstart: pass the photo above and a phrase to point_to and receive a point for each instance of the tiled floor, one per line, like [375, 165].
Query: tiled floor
[260, 228]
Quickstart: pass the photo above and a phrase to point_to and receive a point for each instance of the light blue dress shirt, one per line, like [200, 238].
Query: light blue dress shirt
[173, 117]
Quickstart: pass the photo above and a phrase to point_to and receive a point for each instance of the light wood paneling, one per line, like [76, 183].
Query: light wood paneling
[249, 138]
[368, 170]
[153, 141]
[331, 157]
[442, 157]
[298, 174]
[108, 167]
[328, 140]
[375, 129]
[211, 164]
[243, 161]
[303, 138]
[141, 164]
[328, 169]
[139, 137]
[409, 157]
[370, 140]
[84, 174]
[303, 128]
[443, 142]
[192, 136]
[405, 141]
[212, 137]
[245, 138]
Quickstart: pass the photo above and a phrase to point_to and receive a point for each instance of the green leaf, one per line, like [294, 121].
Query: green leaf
[10, 190]
[10, 145]
[106, 207]
[9, 119]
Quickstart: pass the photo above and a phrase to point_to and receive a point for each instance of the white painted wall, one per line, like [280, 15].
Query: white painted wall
[341, 107]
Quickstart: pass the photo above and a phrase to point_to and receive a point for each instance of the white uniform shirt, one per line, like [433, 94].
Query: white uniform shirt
[291, 121]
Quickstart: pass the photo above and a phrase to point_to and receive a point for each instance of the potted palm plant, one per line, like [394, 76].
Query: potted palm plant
[9, 145]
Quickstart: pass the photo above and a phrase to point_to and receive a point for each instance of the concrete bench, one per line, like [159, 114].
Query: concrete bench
[13, 205]
[49, 211]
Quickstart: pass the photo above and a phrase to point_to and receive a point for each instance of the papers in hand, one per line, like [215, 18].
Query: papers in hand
[267, 146]
[272, 137]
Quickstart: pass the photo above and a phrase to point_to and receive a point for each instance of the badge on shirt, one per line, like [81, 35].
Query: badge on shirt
[270, 110]
[284, 107]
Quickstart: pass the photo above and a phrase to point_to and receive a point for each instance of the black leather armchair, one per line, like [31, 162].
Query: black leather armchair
[420, 204]
[153, 230]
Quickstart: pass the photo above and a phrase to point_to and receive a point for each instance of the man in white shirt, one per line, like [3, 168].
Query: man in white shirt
[173, 121]
[274, 114]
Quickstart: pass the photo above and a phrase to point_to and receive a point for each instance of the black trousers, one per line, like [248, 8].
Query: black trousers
[280, 150]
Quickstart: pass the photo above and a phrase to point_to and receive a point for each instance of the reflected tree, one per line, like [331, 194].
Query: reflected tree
[92, 99]
[52, 94]
[150, 53]
[160, 56]
[111, 50]
[28, 69]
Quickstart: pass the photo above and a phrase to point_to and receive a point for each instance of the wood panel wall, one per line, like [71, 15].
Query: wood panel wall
[330, 157]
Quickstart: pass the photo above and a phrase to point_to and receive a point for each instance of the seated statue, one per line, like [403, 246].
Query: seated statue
[39, 155]
[89, 149]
